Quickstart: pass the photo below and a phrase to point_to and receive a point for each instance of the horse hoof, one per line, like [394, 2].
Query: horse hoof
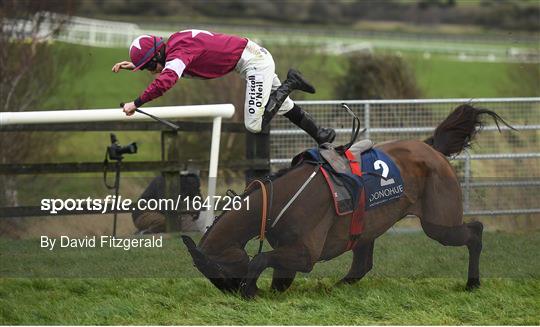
[346, 281]
[472, 284]
[248, 292]
[278, 288]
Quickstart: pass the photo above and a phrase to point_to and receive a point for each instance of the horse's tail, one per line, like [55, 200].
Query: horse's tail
[457, 131]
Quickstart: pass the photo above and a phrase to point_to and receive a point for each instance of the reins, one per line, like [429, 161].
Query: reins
[295, 196]
[264, 213]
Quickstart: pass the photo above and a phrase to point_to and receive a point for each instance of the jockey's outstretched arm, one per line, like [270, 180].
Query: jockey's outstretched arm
[166, 80]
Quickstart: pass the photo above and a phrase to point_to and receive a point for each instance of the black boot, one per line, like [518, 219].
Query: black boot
[303, 120]
[294, 81]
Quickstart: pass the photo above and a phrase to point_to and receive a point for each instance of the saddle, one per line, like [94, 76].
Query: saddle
[341, 163]
[343, 173]
[337, 167]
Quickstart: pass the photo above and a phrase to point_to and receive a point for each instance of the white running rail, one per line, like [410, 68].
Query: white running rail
[216, 111]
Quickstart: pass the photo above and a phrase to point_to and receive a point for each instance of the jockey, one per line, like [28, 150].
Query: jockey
[206, 55]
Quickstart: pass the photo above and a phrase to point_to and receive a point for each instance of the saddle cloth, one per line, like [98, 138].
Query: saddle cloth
[345, 186]
[362, 178]
[382, 179]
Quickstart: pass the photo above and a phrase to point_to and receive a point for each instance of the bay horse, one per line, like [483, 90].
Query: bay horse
[311, 231]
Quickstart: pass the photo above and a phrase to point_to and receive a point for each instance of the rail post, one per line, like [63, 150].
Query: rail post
[213, 168]
[170, 152]
[467, 188]
[367, 110]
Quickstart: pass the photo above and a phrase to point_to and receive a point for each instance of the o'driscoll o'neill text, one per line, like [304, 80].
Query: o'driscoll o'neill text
[101, 242]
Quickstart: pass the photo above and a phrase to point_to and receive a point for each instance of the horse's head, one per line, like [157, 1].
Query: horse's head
[220, 255]
[224, 274]
[223, 262]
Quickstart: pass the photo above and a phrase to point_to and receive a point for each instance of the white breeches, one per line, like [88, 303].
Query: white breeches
[257, 66]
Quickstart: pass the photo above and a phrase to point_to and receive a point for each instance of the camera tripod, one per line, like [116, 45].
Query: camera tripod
[115, 152]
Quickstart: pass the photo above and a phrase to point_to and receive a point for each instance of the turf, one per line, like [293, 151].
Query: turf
[414, 281]
[439, 77]
[92, 84]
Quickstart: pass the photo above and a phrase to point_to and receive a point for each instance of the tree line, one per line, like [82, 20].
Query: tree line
[521, 15]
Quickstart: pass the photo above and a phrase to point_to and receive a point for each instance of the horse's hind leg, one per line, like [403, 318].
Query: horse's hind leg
[282, 279]
[469, 234]
[361, 264]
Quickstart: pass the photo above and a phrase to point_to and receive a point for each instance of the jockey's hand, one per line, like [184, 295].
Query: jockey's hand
[123, 65]
[129, 108]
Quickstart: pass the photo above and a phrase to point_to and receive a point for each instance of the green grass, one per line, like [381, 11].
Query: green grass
[309, 302]
[439, 77]
[414, 281]
[92, 84]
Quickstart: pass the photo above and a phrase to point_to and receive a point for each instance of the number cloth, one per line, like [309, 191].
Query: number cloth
[374, 182]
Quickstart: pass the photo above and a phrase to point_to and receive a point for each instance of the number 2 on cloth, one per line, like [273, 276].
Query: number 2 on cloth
[385, 170]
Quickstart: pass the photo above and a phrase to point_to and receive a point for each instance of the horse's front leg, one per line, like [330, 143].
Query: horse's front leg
[248, 286]
[282, 279]
[292, 258]
[300, 256]
[362, 263]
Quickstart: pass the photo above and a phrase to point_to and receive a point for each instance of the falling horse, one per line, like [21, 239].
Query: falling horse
[310, 230]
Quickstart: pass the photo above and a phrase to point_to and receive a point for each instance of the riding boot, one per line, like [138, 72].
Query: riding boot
[304, 120]
[294, 81]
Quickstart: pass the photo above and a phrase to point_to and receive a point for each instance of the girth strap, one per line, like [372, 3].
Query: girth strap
[357, 226]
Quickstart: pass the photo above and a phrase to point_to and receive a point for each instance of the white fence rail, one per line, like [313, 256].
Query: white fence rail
[216, 111]
[500, 175]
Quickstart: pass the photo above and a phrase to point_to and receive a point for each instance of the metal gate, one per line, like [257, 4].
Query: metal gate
[500, 174]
